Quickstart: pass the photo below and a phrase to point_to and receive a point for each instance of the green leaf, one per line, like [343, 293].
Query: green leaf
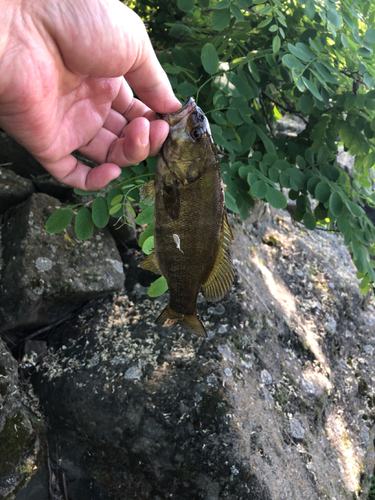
[80, 192]
[59, 220]
[234, 117]
[310, 9]
[301, 51]
[276, 198]
[84, 225]
[158, 287]
[230, 202]
[185, 5]
[110, 196]
[276, 43]
[146, 216]
[362, 259]
[219, 117]
[149, 231]
[370, 35]
[309, 155]
[312, 88]
[268, 144]
[116, 208]
[322, 155]
[354, 208]
[224, 84]
[254, 71]
[293, 63]
[343, 224]
[223, 4]
[335, 18]
[148, 245]
[236, 12]
[281, 165]
[322, 192]
[336, 205]
[259, 189]
[100, 214]
[115, 201]
[210, 59]
[186, 89]
[306, 104]
[309, 221]
[220, 19]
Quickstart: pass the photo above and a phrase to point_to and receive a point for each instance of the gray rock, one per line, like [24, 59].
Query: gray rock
[22, 434]
[46, 276]
[48, 185]
[190, 419]
[13, 189]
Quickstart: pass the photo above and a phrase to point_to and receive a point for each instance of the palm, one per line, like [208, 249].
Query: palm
[67, 104]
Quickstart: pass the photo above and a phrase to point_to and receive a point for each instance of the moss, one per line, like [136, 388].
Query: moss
[15, 439]
[271, 240]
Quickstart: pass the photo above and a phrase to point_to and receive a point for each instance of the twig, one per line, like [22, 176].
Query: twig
[6, 164]
[266, 114]
[285, 108]
[65, 488]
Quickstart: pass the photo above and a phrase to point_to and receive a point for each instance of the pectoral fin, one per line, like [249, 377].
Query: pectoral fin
[147, 193]
[222, 274]
[150, 263]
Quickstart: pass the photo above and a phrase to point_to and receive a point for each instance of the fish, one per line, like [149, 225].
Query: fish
[191, 230]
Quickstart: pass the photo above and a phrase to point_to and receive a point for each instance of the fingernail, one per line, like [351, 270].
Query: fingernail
[144, 137]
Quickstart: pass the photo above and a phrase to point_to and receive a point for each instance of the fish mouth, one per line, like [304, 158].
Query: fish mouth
[176, 116]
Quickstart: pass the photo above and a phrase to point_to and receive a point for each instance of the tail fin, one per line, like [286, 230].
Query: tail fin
[192, 323]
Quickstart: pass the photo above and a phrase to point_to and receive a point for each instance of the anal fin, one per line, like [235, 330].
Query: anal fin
[191, 323]
[222, 274]
[150, 263]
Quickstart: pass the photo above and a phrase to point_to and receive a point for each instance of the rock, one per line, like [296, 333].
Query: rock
[20, 160]
[13, 189]
[47, 184]
[154, 413]
[22, 436]
[47, 276]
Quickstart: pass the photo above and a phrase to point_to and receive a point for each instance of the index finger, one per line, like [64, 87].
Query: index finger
[150, 81]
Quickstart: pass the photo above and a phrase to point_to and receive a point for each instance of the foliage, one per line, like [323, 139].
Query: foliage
[247, 63]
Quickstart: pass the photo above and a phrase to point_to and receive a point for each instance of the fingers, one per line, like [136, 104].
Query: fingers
[141, 139]
[73, 173]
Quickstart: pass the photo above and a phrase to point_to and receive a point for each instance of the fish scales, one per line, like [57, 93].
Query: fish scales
[190, 225]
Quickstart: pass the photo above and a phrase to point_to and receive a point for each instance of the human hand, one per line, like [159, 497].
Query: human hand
[62, 89]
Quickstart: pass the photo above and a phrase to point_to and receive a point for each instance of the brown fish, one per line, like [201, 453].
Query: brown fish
[192, 234]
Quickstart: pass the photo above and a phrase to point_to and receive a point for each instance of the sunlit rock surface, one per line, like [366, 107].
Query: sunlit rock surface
[277, 404]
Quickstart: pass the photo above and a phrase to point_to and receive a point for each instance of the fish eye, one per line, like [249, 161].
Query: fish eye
[197, 134]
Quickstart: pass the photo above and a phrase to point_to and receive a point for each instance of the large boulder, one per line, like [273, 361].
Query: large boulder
[47, 276]
[276, 404]
[13, 189]
[22, 432]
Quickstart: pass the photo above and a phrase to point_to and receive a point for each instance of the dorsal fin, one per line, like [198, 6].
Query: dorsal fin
[150, 263]
[222, 274]
[147, 193]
